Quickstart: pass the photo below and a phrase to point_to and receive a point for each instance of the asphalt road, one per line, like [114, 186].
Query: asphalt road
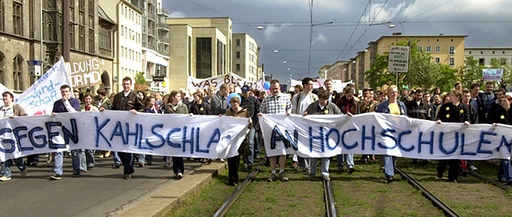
[99, 192]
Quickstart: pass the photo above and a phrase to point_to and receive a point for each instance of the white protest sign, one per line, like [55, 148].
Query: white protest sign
[398, 59]
[200, 136]
[383, 134]
[492, 74]
[39, 98]
[193, 84]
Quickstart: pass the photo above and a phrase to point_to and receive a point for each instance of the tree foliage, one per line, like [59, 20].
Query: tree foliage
[422, 73]
[139, 78]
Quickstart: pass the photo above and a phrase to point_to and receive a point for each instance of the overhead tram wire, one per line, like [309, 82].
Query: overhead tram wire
[310, 34]
[353, 31]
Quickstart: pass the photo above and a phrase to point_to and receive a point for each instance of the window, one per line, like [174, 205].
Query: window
[105, 36]
[452, 50]
[81, 38]
[438, 49]
[437, 60]
[237, 67]
[452, 61]
[17, 68]
[237, 54]
[2, 24]
[203, 57]
[481, 61]
[420, 48]
[237, 43]
[17, 18]
[429, 49]
[2, 65]
[91, 41]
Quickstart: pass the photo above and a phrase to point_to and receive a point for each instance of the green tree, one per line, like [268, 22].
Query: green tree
[470, 72]
[139, 78]
[378, 74]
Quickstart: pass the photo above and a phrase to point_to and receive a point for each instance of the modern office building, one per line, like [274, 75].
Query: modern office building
[200, 48]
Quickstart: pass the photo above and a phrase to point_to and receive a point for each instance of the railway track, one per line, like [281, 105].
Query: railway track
[328, 195]
[447, 210]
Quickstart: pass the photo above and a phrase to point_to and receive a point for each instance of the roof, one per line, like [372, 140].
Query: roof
[104, 16]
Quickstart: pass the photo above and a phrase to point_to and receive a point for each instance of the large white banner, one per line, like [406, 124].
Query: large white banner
[155, 134]
[39, 98]
[193, 84]
[377, 133]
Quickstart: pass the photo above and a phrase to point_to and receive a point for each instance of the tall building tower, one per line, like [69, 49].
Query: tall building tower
[245, 56]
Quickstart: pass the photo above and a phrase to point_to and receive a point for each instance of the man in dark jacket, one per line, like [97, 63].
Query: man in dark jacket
[253, 108]
[127, 100]
[418, 108]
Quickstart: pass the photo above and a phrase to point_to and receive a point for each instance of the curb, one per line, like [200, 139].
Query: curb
[163, 201]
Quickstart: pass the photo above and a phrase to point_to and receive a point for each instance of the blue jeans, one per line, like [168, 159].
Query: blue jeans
[6, 166]
[77, 156]
[89, 158]
[251, 137]
[504, 171]
[389, 165]
[57, 167]
[348, 158]
[115, 157]
[324, 165]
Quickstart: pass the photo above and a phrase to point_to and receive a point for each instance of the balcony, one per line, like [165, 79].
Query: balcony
[163, 12]
[163, 49]
[162, 27]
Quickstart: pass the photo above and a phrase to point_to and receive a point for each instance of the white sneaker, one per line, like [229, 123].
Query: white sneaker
[472, 168]
[179, 175]
[5, 178]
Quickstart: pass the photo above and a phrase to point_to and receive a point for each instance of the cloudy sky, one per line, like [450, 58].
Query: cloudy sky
[287, 26]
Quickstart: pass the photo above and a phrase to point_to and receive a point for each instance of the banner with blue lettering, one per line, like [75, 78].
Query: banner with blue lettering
[38, 99]
[384, 134]
[156, 134]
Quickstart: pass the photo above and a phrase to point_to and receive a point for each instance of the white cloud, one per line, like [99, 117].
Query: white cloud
[177, 14]
[271, 31]
[320, 39]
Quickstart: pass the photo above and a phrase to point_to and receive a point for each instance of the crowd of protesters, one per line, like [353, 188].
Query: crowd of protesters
[464, 105]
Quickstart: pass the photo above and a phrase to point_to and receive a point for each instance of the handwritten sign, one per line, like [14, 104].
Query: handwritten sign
[492, 74]
[193, 84]
[383, 134]
[39, 98]
[398, 59]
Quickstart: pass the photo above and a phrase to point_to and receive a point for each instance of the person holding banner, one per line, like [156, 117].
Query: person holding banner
[395, 107]
[300, 102]
[456, 112]
[66, 104]
[105, 103]
[321, 107]
[501, 114]
[235, 110]
[347, 105]
[127, 100]
[276, 103]
[176, 106]
[218, 103]
[11, 109]
[88, 161]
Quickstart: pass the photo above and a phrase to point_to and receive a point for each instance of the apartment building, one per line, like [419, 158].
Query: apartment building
[200, 47]
[31, 32]
[484, 55]
[444, 49]
[128, 38]
[245, 57]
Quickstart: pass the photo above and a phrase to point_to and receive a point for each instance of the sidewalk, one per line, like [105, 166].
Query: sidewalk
[166, 198]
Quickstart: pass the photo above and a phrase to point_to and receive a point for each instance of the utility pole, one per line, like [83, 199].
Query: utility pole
[65, 30]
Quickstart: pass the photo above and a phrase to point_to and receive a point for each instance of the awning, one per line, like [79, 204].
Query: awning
[154, 58]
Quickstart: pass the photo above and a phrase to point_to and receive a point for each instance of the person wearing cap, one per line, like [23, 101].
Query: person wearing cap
[11, 109]
[405, 97]
[253, 106]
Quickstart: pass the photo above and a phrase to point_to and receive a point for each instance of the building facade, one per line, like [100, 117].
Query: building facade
[32, 31]
[484, 55]
[444, 49]
[200, 48]
[245, 57]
